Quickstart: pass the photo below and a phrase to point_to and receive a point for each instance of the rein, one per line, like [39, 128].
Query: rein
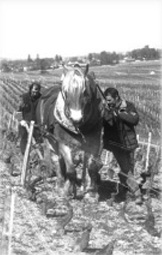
[80, 133]
[103, 96]
[101, 92]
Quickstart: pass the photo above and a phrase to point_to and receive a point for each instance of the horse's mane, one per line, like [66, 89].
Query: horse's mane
[74, 79]
[76, 82]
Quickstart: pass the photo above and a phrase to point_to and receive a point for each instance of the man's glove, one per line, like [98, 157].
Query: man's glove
[121, 111]
[23, 123]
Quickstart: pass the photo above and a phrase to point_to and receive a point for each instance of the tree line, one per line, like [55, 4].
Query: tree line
[111, 58]
[102, 58]
[31, 64]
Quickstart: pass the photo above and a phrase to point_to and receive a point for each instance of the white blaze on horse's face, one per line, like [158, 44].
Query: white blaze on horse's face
[76, 115]
[73, 87]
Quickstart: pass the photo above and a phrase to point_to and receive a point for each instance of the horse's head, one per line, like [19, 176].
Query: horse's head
[78, 92]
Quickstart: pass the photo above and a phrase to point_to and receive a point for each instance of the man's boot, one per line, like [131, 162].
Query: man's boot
[134, 188]
[122, 193]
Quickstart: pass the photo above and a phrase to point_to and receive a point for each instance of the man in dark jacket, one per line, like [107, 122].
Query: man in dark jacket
[119, 136]
[27, 107]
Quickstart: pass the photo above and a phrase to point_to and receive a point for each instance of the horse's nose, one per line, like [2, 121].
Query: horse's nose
[76, 115]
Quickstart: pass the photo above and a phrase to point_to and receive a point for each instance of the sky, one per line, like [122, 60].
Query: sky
[77, 27]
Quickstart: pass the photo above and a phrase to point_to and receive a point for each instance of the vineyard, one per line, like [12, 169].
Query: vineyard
[139, 83]
[33, 232]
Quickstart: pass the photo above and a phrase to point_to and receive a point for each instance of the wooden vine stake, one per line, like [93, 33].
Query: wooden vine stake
[9, 122]
[15, 121]
[148, 151]
[4, 232]
[26, 156]
[106, 157]
[13, 195]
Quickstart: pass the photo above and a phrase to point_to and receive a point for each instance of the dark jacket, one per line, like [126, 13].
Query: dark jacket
[28, 106]
[119, 131]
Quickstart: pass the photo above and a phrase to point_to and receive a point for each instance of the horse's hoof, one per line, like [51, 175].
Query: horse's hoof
[91, 197]
[15, 172]
[81, 192]
[139, 200]
[31, 196]
[138, 197]
[70, 195]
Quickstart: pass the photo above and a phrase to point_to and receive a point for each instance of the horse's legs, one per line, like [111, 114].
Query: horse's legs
[62, 167]
[70, 182]
[85, 176]
[93, 169]
[60, 177]
[56, 161]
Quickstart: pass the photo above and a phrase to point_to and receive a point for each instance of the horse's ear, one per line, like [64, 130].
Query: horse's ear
[65, 69]
[86, 70]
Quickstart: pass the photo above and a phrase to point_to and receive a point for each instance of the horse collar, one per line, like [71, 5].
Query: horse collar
[60, 116]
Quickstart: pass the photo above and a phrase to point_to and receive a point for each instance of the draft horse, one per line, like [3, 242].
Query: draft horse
[72, 116]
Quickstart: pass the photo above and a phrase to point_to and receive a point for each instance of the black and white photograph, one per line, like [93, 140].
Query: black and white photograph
[80, 127]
